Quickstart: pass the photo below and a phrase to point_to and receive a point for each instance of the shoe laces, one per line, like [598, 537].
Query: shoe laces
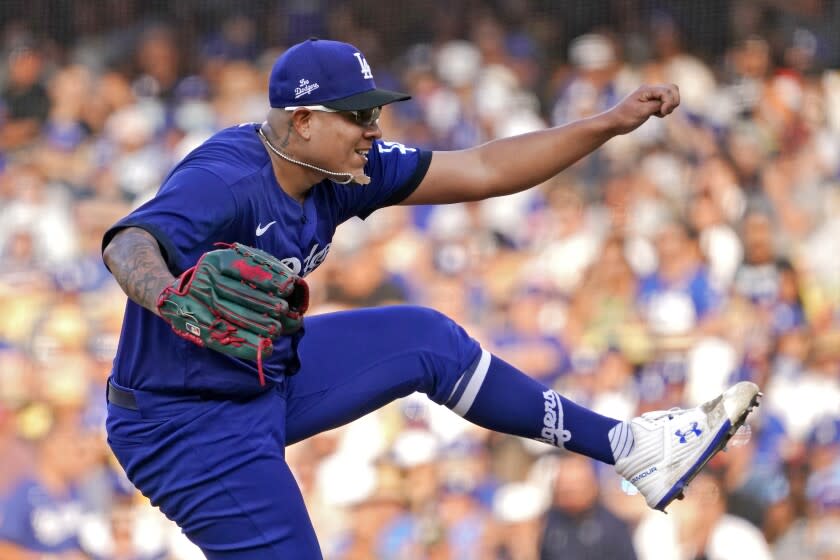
[659, 415]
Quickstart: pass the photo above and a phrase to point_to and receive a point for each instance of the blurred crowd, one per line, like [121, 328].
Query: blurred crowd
[699, 250]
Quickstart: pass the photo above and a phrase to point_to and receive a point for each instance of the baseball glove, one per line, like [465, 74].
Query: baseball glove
[236, 300]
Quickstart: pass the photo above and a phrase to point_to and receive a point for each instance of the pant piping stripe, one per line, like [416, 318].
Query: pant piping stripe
[473, 384]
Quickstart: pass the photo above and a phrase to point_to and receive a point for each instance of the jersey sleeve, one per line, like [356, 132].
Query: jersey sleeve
[193, 210]
[395, 171]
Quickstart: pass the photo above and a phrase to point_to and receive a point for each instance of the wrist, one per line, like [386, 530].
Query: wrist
[161, 291]
[606, 124]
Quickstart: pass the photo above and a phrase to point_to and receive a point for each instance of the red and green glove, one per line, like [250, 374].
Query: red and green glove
[236, 300]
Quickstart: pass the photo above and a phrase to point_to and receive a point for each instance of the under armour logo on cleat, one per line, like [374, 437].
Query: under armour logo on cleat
[686, 435]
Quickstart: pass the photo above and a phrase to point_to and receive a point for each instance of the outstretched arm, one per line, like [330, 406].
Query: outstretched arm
[133, 257]
[510, 165]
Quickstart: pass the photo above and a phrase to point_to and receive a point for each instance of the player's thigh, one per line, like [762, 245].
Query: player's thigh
[217, 469]
[353, 362]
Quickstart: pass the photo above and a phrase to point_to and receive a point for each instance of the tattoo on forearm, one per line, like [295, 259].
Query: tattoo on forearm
[138, 266]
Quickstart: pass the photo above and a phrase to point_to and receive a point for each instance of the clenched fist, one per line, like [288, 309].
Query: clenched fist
[632, 111]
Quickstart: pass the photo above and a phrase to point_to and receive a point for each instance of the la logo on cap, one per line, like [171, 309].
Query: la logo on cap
[366, 73]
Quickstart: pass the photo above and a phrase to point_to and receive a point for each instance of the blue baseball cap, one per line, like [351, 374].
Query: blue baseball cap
[329, 73]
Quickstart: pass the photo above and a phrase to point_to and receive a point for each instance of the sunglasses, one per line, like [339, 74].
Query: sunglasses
[362, 117]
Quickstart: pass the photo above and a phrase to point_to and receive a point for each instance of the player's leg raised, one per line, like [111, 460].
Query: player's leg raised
[354, 362]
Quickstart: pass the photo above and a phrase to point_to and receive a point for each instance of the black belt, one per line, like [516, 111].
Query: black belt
[121, 397]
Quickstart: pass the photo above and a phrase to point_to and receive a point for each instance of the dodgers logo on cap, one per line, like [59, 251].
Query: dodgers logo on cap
[329, 73]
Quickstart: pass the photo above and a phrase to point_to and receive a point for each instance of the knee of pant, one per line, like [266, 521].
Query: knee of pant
[434, 330]
[445, 347]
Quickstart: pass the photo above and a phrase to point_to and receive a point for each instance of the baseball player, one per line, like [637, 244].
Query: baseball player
[216, 370]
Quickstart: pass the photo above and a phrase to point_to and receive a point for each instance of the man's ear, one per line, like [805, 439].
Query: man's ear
[302, 122]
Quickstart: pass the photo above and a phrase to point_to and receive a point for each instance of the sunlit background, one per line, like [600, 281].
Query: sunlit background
[699, 250]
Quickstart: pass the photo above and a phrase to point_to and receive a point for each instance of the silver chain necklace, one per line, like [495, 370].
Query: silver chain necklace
[349, 176]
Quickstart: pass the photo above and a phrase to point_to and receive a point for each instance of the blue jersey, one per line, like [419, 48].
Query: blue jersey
[226, 191]
[36, 520]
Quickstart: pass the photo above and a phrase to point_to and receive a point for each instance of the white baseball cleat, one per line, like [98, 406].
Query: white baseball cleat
[672, 446]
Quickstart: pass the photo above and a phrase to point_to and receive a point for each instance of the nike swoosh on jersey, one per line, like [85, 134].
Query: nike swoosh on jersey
[262, 229]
